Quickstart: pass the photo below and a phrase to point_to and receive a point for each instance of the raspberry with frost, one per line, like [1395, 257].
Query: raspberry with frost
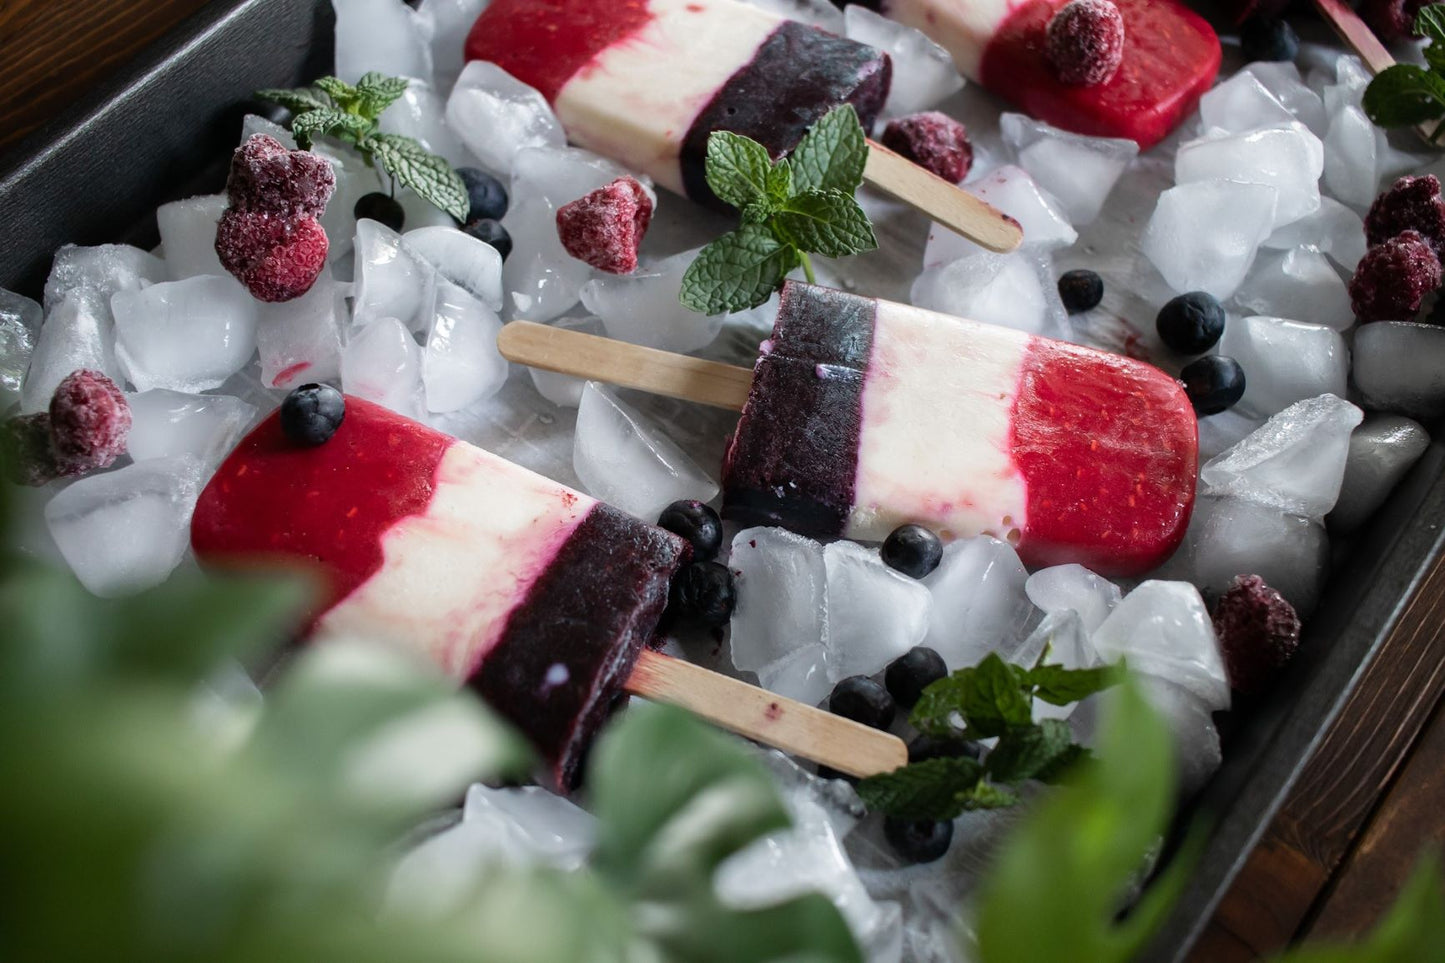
[266, 176]
[1084, 42]
[1391, 19]
[1258, 632]
[89, 422]
[934, 141]
[1393, 278]
[605, 227]
[276, 257]
[1411, 204]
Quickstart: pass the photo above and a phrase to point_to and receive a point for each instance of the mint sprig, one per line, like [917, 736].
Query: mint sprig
[351, 114]
[1407, 94]
[797, 205]
[991, 700]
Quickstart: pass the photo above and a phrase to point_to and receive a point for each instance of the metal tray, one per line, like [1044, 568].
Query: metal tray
[165, 128]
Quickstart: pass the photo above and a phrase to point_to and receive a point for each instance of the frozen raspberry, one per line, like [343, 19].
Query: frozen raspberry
[932, 140]
[276, 257]
[1258, 632]
[1391, 19]
[1084, 42]
[605, 227]
[25, 450]
[265, 176]
[1393, 278]
[1411, 204]
[89, 422]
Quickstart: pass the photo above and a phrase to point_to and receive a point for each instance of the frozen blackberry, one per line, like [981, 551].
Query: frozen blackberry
[1258, 632]
[932, 140]
[1393, 278]
[1411, 204]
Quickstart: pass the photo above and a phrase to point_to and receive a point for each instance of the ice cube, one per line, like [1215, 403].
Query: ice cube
[167, 423]
[462, 259]
[1004, 289]
[1073, 588]
[1202, 236]
[124, 531]
[76, 334]
[562, 390]
[420, 113]
[1288, 158]
[253, 124]
[496, 116]
[1299, 283]
[1382, 449]
[1285, 361]
[1399, 366]
[1334, 229]
[875, 614]
[1282, 79]
[382, 363]
[643, 308]
[300, 340]
[444, 25]
[1196, 741]
[421, 213]
[391, 280]
[923, 72]
[97, 273]
[1060, 639]
[978, 600]
[186, 335]
[20, 320]
[819, 13]
[1078, 171]
[540, 277]
[379, 35]
[625, 460]
[1013, 191]
[188, 235]
[781, 584]
[801, 675]
[1241, 104]
[1162, 628]
[461, 364]
[1225, 430]
[354, 180]
[1351, 172]
[1294, 462]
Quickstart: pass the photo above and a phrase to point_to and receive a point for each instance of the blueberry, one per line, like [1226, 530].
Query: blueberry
[926, 747]
[1082, 290]
[912, 672]
[1191, 323]
[912, 550]
[1213, 383]
[861, 699]
[1264, 38]
[703, 592]
[493, 233]
[697, 523]
[311, 414]
[918, 840]
[381, 207]
[488, 196]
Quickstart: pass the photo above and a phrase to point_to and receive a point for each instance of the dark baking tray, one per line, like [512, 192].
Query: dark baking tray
[164, 130]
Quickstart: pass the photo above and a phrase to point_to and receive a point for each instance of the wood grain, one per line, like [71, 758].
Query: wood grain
[768, 718]
[948, 204]
[53, 52]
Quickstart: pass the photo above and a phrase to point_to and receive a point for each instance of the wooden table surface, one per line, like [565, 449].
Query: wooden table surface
[1371, 798]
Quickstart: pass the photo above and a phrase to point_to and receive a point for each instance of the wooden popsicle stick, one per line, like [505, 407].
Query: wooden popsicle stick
[948, 204]
[771, 719]
[1358, 36]
[628, 365]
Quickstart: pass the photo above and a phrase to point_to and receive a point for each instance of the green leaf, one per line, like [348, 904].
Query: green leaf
[1025, 752]
[430, 176]
[807, 928]
[328, 122]
[829, 223]
[737, 169]
[1404, 95]
[831, 155]
[375, 92]
[1430, 24]
[990, 697]
[1059, 686]
[780, 183]
[737, 271]
[986, 795]
[298, 101]
[344, 95]
[932, 789]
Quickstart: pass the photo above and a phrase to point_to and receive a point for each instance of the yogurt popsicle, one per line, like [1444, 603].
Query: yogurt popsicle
[1170, 58]
[538, 597]
[864, 414]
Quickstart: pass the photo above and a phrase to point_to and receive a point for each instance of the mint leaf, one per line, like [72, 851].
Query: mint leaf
[988, 796]
[831, 155]
[737, 168]
[1403, 95]
[424, 172]
[932, 789]
[376, 92]
[344, 95]
[298, 101]
[991, 697]
[1060, 686]
[1025, 752]
[1430, 24]
[829, 223]
[780, 183]
[330, 122]
[737, 271]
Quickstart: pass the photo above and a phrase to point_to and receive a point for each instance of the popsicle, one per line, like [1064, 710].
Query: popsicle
[1171, 56]
[862, 414]
[645, 82]
[539, 598]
